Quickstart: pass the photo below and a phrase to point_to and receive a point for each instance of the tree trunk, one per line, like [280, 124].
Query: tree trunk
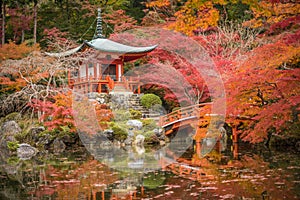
[3, 23]
[35, 21]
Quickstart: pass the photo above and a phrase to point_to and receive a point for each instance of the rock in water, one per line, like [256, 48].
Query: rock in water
[139, 140]
[25, 151]
[135, 123]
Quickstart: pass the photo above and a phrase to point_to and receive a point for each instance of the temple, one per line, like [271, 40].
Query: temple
[105, 70]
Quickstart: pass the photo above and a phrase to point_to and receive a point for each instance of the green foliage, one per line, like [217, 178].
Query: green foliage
[14, 160]
[149, 124]
[135, 114]
[120, 133]
[12, 146]
[149, 100]
[150, 137]
[121, 115]
[175, 108]
[12, 116]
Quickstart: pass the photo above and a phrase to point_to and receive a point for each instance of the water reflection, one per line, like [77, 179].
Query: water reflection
[256, 173]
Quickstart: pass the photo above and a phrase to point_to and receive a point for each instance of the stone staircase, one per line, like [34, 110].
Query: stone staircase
[122, 99]
[120, 88]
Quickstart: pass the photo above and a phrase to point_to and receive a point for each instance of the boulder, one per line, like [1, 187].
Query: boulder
[129, 141]
[7, 132]
[45, 140]
[69, 139]
[109, 134]
[139, 140]
[11, 127]
[26, 152]
[36, 130]
[158, 132]
[58, 145]
[135, 124]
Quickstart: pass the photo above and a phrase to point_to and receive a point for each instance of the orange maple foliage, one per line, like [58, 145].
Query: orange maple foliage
[195, 15]
[268, 13]
[13, 51]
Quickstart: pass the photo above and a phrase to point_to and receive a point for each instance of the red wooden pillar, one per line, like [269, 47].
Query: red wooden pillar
[198, 148]
[139, 89]
[103, 197]
[142, 190]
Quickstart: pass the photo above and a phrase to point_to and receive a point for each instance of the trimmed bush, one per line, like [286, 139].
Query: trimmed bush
[135, 114]
[149, 100]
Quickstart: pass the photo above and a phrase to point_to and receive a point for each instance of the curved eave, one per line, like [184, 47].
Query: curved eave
[127, 53]
[65, 53]
[106, 45]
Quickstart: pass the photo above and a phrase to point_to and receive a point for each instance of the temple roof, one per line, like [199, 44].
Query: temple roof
[105, 45]
[100, 43]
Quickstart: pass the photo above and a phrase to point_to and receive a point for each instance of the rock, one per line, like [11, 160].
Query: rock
[36, 130]
[10, 127]
[135, 123]
[109, 134]
[68, 139]
[129, 141]
[158, 132]
[45, 140]
[34, 133]
[106, 145]
[25, 151]
[58, 146]
[8, 131]
[139, 140]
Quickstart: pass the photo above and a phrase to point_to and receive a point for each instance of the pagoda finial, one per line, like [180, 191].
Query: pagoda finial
[99, 32]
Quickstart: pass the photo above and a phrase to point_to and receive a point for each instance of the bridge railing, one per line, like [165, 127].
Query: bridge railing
[186, 112]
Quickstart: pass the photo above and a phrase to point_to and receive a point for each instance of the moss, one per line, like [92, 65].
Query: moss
[13, 146]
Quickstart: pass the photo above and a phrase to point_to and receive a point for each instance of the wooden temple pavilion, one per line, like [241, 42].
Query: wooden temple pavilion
[106, 69]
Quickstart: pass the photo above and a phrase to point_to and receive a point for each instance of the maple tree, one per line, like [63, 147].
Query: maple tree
[267, 90]
[56, 111]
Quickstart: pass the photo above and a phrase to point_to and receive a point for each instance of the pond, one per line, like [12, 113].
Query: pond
[239, 172]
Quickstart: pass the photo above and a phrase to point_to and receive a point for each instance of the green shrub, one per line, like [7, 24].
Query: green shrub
[135, 114]
[149, 100]
[150, 137]
[119, 133]
[149, 124]
[121, 115]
